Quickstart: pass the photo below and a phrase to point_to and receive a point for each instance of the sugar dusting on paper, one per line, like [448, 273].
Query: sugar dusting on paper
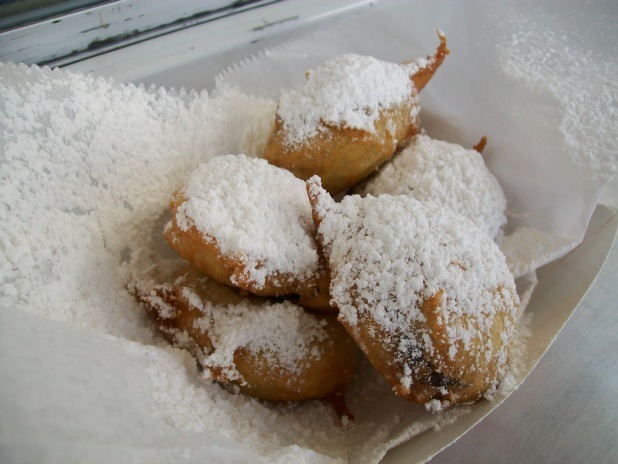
[583, 85]
[526, 249]
[86, 163]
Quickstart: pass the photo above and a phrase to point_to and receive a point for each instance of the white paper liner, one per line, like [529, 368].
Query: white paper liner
[84, 189]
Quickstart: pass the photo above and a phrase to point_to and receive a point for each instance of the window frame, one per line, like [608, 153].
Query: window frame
[87, 32]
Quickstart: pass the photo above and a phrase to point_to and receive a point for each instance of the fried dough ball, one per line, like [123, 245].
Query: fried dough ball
[426, 295]
[353, 113]
[248, 224]
[446, 174]
[272, 351]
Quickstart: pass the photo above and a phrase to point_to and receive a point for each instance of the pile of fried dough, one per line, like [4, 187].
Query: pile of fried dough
[286, 286]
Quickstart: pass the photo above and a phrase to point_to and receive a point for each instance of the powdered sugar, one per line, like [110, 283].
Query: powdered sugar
[282, 334]
[446, 174]
[89, 166]
[253, 211]
[582, 85]
[349, 91]
[373, 231]
[526, 249]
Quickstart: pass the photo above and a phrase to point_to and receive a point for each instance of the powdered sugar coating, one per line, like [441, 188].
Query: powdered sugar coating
[349, 91]
[283, 334]
[256, 212]
[446, 174]
[390, 254]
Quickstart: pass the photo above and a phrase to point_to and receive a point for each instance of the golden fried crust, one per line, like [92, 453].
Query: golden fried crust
[202, 251]
[177, 317]
[182, 319]
[480, 146]
[424, 75]
[203, 254]
[469, 374]
[434, 374]
[342, 156]
[315, 295]
[184, 313]
[331, 373]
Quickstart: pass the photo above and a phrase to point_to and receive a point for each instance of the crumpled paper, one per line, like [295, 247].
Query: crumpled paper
[76, 387]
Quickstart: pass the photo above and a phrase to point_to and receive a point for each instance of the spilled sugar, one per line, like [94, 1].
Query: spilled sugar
[527, 249]
[581, 84]
[87, 165]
